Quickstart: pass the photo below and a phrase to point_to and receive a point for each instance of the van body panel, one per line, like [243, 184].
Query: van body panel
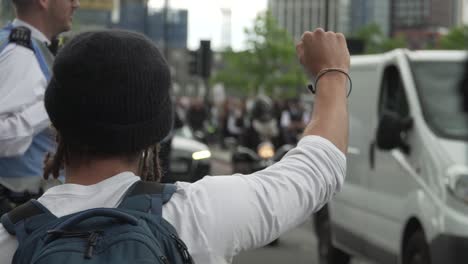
[385, 189]
[352, 204]
[456, 150]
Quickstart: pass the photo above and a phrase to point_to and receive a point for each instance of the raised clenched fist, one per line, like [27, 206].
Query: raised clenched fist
[319, 50]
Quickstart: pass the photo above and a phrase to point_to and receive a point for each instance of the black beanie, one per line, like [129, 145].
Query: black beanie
[110, 92]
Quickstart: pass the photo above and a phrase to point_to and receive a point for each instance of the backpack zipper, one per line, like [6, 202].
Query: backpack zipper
[164, 259]
[92, 242]
[92, 237]
[183, 250]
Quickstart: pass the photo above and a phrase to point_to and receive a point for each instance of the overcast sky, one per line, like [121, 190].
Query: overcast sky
[205, 18]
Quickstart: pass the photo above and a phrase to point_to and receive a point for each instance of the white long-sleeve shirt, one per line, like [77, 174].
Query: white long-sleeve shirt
[218, 217]
[22, 88]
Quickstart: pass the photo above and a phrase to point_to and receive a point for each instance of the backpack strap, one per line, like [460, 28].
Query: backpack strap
[5, 36]
[41, 59]
[148, 197]
[15, 221]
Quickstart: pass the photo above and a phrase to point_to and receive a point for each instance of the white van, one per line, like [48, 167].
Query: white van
[405, 199]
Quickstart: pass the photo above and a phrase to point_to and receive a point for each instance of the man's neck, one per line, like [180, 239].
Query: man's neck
[39, 23]
[97, 171]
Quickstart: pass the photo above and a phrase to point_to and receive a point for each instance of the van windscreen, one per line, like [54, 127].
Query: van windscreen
[437, 83]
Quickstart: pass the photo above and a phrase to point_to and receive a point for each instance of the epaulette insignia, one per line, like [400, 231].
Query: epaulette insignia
[21, 36]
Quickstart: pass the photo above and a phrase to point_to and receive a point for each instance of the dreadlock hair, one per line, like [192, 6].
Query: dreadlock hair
[148, 160]
[149, 164]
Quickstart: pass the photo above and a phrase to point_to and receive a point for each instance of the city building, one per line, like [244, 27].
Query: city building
[89, 19]
[176, 28]
[422, 22]
[365, 12]
[226, 36]
[134, 15]
[462, 12]
[298, 16]
[93, 14]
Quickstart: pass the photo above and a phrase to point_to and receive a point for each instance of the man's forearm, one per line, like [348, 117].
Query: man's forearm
[330, 116]
[319, 51]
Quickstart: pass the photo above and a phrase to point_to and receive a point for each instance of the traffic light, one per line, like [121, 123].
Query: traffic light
[200, 60]
[193, 62]
[206, 58]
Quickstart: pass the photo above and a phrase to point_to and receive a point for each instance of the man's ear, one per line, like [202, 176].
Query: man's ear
[43, 4]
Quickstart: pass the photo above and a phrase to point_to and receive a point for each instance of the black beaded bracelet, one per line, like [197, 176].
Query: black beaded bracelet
[313, 87]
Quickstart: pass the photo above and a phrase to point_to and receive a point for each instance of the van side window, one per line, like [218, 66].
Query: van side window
[392, 94]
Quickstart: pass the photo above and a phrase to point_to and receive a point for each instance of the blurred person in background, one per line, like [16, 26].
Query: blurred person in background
[235, 119]
[181, 108]
[262, 125]
[279, 107]
[26, 55]
[222, 122]
[293, 121]
[197, 115]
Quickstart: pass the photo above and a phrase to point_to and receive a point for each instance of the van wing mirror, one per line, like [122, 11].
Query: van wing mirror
[390, 129]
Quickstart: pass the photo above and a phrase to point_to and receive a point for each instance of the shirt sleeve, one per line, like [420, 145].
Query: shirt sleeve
[240, 212]
[8, 246]
[22, 111]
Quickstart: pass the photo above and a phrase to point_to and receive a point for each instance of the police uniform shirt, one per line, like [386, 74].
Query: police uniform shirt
[22, 113]
[22, 87]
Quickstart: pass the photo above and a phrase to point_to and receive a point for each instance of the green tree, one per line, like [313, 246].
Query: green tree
[376, 42]
[456, 39]
[269, 62]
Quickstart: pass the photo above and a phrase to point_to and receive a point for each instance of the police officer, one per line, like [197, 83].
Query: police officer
[293, 121]
[25, 67]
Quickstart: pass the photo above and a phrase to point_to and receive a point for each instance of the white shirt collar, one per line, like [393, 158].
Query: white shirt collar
[34, 31]
[115, 181]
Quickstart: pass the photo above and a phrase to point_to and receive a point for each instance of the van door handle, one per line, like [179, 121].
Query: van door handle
[372, 155]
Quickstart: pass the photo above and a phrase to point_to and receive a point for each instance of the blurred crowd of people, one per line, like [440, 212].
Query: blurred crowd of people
[232, 119]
